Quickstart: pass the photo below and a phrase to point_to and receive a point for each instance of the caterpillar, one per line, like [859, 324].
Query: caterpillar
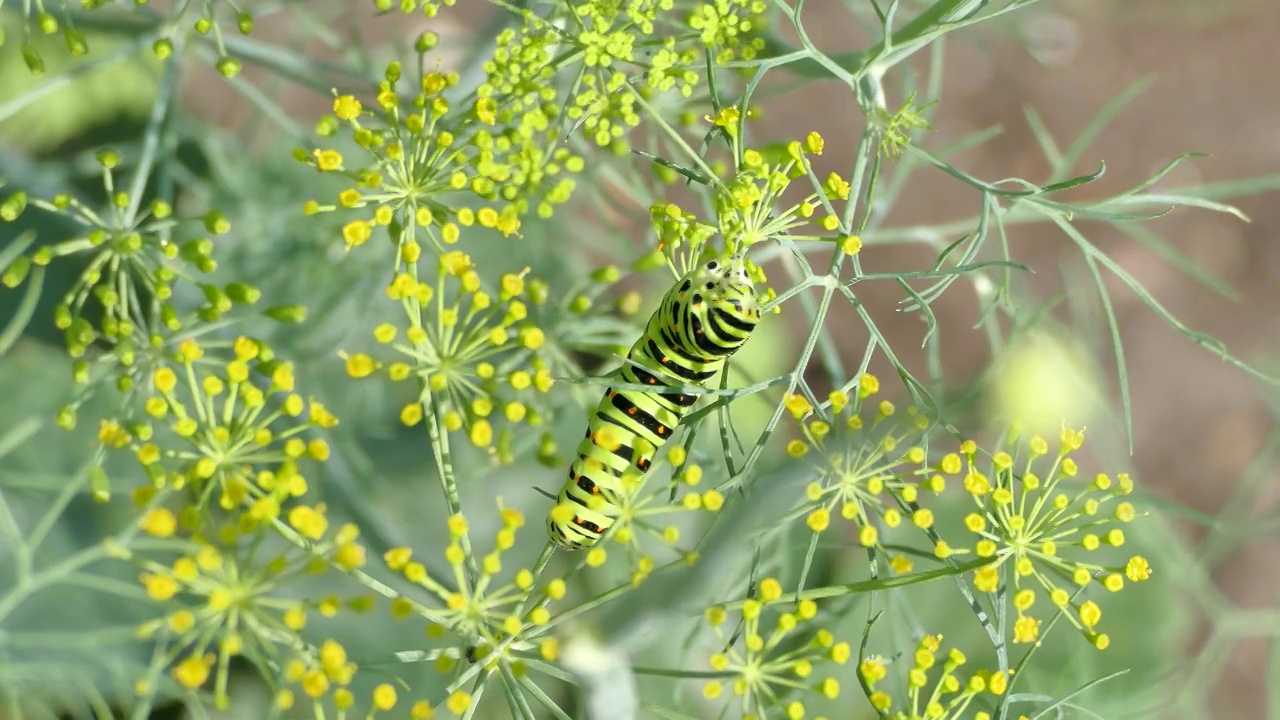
[703, 319]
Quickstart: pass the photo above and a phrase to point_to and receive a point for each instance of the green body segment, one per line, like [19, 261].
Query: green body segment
[703, 319]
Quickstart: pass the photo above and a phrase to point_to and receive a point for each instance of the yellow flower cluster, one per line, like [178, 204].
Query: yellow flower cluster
[748, 208]
[866, 470]
[769, 660]
[1052, 534]
[944, 696]
[486, 616]
[417, 156]
[458, 337]
[221, 605]
[1056, 535]
[225, 431]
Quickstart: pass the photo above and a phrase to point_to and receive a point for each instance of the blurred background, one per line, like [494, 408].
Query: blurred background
[1204, 432]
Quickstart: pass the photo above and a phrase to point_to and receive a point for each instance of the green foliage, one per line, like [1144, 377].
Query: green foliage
[272, 421]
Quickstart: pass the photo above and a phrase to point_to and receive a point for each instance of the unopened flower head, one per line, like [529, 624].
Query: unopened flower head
[129, 262]
[731, 29]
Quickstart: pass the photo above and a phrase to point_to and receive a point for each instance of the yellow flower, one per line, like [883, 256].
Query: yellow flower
[350, 556]
[159, 587]
[193, 671]
[868, 536]
[458, 702]
[384, 697]
[311, 523]
[1137, 569]
[987, 578]
[113, 435]
[190, 351]
[182, 621]
[360, 365]
[346, 107]
[411, 414]
[164, 379]
[481, 434]
[868, 385]
[159, 522]
[713, 500]
[819, 519]
[328, 160]
[1090, 614]
[1026, 629]
[770, 589]
[315, 684]
[798, 406]
[356, 233]
[295, 618]
[332, 656]
[396, 558]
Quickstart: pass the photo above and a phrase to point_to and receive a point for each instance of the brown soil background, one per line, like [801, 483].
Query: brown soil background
[1197, 421]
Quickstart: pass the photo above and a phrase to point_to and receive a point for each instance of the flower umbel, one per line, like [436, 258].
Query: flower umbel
[639, 503]
[416, 158]
[760, 668]
[476, 352]
[237, 438]
[748, 209]
[485, 615]
[951, 695]
[223, 606]
[121, 298]
[865, 469]
[1049, 530]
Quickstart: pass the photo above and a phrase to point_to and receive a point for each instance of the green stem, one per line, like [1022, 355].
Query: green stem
[448, 481]
[676, 139]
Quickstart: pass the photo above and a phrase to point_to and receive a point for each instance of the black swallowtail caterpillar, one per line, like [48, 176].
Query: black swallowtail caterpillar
[703, 319]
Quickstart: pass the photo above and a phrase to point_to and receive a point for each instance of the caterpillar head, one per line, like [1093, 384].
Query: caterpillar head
[723, 283]
[709, 313]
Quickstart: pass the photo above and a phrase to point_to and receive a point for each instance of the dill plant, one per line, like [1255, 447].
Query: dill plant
[317, 394]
